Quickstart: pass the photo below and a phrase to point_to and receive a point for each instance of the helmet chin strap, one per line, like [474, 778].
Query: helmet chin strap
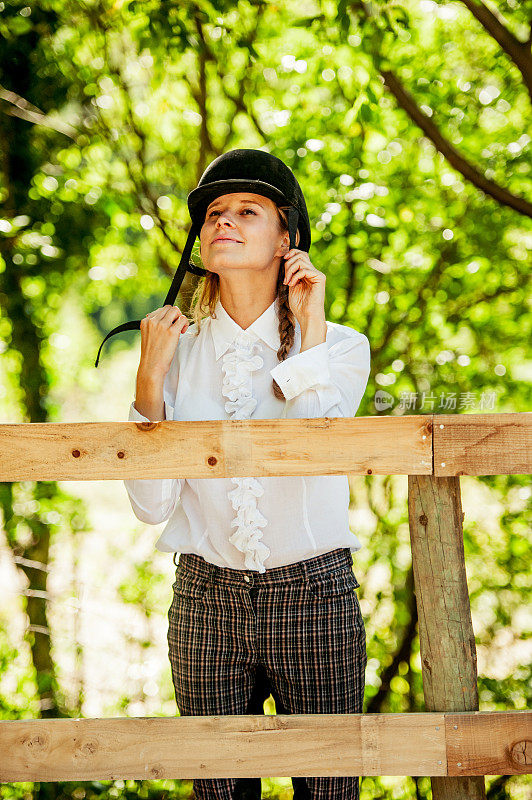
[293, 216]
[185, 265]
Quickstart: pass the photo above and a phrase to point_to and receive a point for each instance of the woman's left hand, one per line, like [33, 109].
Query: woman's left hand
[306, 286]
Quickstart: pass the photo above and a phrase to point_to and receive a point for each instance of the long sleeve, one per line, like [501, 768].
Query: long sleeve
[325, 380]
[153, 500]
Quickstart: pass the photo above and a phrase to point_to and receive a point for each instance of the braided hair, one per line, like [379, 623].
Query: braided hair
[207, 292]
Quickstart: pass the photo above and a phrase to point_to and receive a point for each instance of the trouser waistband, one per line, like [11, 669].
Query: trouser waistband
[195, 565]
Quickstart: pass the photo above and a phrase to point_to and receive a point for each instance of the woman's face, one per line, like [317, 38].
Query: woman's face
[249, 223]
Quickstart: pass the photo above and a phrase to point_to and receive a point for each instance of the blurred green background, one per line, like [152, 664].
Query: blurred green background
[408, 126]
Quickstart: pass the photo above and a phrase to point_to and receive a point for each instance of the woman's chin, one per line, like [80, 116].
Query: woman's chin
[225, 264]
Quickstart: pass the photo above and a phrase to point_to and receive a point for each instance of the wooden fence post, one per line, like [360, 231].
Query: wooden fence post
[446, 638]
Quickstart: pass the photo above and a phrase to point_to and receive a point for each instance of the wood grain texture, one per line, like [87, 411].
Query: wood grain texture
[446, 637]
[464, 444]
[481, 741]
[225, 746]
[262, 746]
[215, 449]
[447, 640]
[483, 444]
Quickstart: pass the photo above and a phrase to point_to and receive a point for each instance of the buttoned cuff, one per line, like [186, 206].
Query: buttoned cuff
[303, 370]
[136, 416]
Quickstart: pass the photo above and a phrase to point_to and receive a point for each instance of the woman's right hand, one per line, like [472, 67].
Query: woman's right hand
[160, 331]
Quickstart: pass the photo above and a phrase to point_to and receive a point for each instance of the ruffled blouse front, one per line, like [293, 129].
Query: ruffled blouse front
[238, 364]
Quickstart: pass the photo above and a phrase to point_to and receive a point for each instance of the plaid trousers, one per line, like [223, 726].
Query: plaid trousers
[295, 631]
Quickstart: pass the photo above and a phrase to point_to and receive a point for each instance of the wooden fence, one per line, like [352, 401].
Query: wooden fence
[451, 741]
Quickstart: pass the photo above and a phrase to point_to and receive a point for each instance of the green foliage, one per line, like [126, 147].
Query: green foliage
[110, 111]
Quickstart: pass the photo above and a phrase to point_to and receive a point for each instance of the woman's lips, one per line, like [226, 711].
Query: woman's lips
[216, 241]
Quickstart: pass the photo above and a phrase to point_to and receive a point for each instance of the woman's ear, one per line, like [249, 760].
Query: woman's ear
[285, 246]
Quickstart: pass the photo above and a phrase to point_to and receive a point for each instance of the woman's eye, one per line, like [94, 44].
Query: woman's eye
[245, 209]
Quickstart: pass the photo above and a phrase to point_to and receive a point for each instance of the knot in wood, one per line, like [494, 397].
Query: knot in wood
[146, 426]
[89, 747]
[521, 752]
[40, 741]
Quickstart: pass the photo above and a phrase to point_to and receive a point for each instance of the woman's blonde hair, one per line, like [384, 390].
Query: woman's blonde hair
[207, 292]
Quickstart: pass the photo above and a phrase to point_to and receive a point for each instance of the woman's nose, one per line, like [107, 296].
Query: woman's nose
[223, 219]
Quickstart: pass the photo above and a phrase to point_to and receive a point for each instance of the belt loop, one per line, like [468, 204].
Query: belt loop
[349, 558]
[303, 569]
[210, 577]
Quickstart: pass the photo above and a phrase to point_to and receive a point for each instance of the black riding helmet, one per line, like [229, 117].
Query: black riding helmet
[240, 170]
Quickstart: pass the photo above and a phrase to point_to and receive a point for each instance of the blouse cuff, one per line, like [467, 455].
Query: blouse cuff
[303, 370]
[136, 416]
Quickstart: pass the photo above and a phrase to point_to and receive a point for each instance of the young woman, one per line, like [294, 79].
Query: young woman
[264, 582]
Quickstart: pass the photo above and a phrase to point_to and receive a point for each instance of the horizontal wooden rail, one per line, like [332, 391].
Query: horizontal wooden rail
[442, 445]
[432, 450]
[482, 444]
[436, 744]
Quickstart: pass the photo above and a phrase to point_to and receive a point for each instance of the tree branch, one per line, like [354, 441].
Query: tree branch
[20, 107]
[402, 654]
[200, 96]
[470, 173]
[238, 97]
[518, 51]
[146, 201]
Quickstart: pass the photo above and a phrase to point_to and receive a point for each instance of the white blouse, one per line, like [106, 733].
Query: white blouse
[225, 372]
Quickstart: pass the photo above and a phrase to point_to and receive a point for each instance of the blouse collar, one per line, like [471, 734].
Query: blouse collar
[225, 330]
